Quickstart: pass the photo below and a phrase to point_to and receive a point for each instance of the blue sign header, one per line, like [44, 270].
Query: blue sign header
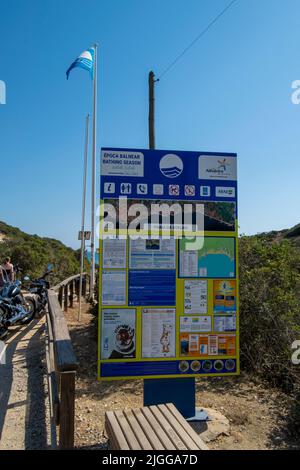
[168, 174]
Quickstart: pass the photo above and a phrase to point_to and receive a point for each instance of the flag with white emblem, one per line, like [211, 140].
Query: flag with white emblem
[84, 61]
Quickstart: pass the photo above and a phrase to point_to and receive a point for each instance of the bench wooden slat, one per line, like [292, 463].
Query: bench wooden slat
[117, 439]
[113, 429]
[148, 430]
[127, 431]
[138, 431]
[172, 434]
[159, 431]
[114, 443]
[184, 436]
[197, 439]
[154, 427]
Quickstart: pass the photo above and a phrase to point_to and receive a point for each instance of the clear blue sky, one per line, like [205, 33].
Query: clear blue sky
[231, 92]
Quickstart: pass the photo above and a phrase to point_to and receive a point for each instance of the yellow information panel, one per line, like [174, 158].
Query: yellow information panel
[168, 265]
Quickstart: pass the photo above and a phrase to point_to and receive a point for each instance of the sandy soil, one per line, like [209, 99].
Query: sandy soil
[258, 415]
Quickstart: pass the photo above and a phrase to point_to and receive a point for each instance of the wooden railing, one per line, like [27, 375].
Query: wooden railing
[61, 361]
[69, 289]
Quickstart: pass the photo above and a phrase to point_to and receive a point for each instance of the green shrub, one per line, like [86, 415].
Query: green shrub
[269, 308]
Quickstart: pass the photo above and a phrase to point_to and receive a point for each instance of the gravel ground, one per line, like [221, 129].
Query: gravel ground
[23, 403]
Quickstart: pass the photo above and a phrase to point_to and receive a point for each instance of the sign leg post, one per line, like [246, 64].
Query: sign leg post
[181, 392]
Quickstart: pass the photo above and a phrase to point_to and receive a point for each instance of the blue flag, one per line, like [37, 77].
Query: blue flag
[85, 61]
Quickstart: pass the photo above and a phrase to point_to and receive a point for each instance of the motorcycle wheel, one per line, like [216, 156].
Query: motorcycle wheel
[30, 308]
[3, 329]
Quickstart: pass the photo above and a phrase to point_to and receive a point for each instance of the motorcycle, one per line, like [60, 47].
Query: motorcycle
[3, 330]
[38, 288]
[14, 307]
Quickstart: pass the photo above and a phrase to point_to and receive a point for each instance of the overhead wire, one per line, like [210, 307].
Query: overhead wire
[200, 35]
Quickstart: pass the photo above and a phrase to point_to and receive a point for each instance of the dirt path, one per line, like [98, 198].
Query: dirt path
[23, 403]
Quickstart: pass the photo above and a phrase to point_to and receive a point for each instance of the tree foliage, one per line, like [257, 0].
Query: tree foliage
[33, 253]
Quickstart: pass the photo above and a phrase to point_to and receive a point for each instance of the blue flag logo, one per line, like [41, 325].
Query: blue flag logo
[84, 61]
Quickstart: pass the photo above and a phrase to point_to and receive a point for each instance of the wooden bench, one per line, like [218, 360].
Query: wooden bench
[159, 427]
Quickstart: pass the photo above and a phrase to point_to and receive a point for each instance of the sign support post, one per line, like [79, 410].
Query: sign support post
[181, 392]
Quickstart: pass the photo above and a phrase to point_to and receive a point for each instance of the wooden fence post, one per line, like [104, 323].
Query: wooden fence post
[77, 289]
[60, 296]
[88, 280]
[71, 293]
[84, 286]
[67, 410]
[66, 300]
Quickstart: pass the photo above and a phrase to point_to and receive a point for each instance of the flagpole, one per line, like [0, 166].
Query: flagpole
[83, 210]
[92, 281]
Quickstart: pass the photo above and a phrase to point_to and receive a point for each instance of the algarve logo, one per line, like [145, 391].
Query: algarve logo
[223, 168]
[171, 165]
[217, 168]
[223, 165]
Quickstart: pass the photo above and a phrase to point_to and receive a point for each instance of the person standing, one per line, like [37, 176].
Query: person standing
[8, 270]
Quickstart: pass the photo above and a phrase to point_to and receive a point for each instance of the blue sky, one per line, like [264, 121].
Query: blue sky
[231, 92]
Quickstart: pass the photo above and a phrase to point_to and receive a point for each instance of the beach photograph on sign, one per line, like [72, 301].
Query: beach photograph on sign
[118, 337]
[214, 260]
[113, 287]
[114, 253]
[158, 333]
[152, 253]
[165, 213]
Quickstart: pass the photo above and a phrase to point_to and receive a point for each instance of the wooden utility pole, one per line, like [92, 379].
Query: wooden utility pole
[151, 111]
